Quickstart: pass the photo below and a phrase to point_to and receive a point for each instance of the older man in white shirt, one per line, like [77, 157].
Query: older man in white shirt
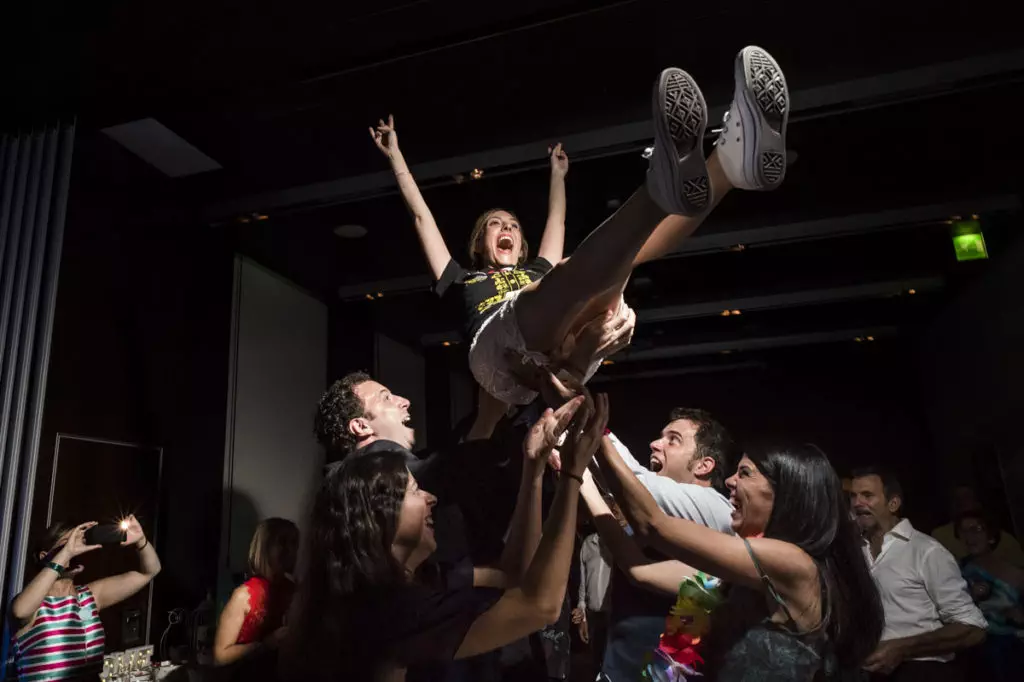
[929, 615]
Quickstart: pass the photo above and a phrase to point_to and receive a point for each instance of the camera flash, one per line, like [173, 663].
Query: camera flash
[124, 525]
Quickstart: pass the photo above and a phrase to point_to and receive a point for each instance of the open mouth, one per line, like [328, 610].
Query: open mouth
[737, 506]
[406, 420]
[656, 465]
[506, 243]
[430, 523]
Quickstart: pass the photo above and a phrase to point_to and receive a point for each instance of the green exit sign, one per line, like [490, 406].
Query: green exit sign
[968, 241]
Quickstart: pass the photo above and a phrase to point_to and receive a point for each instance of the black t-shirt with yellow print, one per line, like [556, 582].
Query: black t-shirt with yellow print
[482, 290]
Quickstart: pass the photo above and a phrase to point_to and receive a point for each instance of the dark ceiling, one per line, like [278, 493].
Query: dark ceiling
[903, 117]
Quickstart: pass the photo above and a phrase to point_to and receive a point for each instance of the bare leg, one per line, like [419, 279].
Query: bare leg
[671, 231]
[592, 280]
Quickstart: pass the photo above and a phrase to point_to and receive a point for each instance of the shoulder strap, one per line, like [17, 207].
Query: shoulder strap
[767, 581]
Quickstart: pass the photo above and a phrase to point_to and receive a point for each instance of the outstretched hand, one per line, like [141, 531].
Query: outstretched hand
[559, 161]
[385, 137]
[75, 546]
[600, 338]
[133, 532]
[582, 442]
[545, 434]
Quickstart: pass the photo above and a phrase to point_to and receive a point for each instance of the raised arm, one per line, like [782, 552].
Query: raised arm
[386, 138]
[708, 550]
[538, 601]
[552, 243]
[25, 605]
[657, 576]
[525, 529]
[117, 588]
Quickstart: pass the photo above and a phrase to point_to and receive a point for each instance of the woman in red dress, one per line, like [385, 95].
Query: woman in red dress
[253, 618]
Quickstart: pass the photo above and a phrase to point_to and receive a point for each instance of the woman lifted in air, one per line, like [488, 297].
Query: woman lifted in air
[534, 308]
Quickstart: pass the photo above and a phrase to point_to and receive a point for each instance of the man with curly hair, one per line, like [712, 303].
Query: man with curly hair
[356, 411]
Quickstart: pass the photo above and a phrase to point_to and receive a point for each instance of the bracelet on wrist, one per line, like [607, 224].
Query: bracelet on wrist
[56, 568]
[571, 475]
[144, 546]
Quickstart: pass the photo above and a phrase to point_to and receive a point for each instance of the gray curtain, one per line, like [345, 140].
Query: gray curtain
[35, 171]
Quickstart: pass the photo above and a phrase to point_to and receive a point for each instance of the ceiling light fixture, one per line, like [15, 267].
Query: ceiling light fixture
[608, 362]
[369, 297]
[350, 231]
[380, 294]
[446, 343]
[476, 173]
[911, 291]
[736, 312]
[725, 313]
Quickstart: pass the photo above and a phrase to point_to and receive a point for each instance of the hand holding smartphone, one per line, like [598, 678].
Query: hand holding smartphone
[106, 535]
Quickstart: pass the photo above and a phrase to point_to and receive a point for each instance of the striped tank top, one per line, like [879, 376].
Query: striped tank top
[65, 641]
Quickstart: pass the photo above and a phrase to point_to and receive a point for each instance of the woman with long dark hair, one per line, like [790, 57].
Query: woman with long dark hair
[372, 606]
[801, 604]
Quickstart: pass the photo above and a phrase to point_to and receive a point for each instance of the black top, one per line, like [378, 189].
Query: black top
[746, 645]
[480, 291]
[476, 484]
[420, 626]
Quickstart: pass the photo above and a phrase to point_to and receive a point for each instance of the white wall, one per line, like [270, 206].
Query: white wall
[277, 372]
[403, 369]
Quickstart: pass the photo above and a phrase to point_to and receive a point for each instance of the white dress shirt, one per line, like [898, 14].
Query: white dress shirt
[595, 574]
[698, 503]
[920, 585]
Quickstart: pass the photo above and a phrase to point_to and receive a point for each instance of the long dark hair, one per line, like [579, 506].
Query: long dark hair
[811, 512]
[347, 560]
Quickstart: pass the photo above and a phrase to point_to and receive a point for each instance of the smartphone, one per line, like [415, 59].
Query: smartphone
[109, 534]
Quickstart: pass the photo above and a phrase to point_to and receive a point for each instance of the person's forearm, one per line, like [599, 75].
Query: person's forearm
[234, 652]
[552, 243]
[525, 529]
[946, 640]
[149, 562]
[548, 574]
[431, 240]
[663, 577]
[634, 499]
[28, 600]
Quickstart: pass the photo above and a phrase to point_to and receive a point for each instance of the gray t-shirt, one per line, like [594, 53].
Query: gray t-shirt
[637, 615]
[698, 503]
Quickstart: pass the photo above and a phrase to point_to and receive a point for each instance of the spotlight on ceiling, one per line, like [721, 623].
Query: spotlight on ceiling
[476, 173]
[350, 231]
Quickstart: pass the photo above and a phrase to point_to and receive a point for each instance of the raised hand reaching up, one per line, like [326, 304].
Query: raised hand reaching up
[559, 160]
[386, 137]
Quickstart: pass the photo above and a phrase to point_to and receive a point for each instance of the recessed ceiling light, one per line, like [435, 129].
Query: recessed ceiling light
[350, 231]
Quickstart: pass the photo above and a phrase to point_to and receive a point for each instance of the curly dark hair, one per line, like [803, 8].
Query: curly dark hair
[338, 406]
[348, 560]
[712, 441]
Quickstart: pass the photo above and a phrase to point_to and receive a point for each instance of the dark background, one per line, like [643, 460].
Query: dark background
[280, 95]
